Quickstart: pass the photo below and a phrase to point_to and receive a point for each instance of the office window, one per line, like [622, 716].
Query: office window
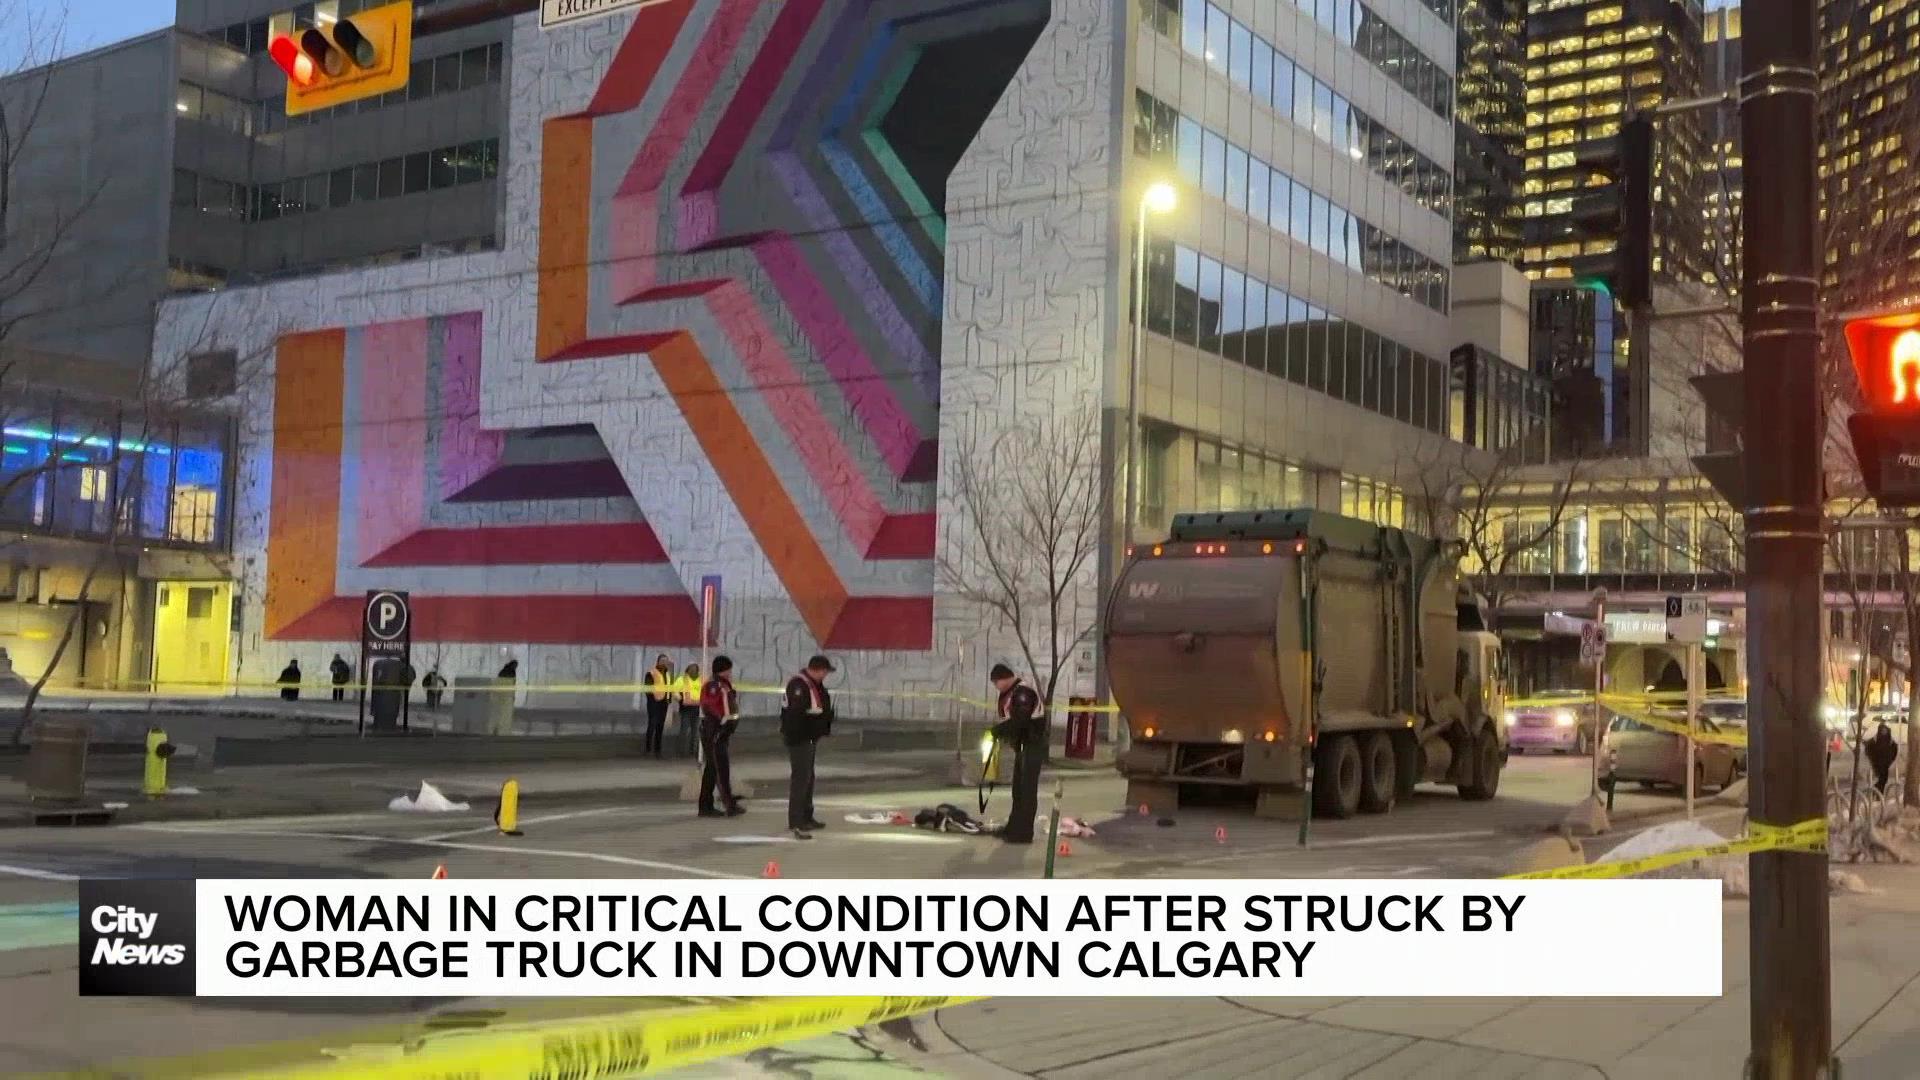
[415, 172]
[390, 186]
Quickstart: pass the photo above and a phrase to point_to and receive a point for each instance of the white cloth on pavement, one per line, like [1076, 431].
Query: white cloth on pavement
[428, 801]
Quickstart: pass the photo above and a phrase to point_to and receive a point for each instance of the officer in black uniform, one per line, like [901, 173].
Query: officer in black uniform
[1024, 734]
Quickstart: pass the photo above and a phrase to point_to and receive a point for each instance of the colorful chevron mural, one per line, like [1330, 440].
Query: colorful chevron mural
[750, 208]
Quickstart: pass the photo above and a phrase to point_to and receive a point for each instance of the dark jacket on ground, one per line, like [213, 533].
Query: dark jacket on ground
[806, 713]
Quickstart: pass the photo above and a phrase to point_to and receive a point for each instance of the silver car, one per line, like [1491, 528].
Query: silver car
[1653, 757]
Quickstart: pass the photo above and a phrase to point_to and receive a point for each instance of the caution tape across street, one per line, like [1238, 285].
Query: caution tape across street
[618, 1045]
[1807, 836]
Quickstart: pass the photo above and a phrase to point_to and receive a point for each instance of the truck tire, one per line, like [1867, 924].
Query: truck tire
[1379, 773]
[1336, 777]
[1486, 766]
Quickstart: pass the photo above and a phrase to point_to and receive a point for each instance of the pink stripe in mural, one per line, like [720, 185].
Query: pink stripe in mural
[867, 393]
[467, 450]
[391, 498]
[699, 220]
[785, 391]
[636, 202]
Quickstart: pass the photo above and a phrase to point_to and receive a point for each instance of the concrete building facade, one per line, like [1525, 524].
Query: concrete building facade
[769, 272]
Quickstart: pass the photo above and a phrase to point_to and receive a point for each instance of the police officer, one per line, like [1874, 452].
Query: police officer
[806, 716]
[719, 716]
[1025, 734]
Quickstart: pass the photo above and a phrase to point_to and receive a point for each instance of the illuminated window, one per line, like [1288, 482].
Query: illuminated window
[1602, 15]
[1560, 114]
[1562, 137]
[1563, 67]
[93, 484]
[1603, 84]
[1560, 92]
[193, 514]
[1562, 159]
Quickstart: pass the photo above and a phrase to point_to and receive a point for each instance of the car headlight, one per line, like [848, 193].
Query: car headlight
[1563, 717]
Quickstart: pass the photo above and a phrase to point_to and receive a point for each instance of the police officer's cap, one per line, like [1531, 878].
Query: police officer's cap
[1000, 671]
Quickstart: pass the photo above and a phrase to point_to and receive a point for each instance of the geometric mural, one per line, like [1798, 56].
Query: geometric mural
[751, 205]
[380, 464]
[782, 272]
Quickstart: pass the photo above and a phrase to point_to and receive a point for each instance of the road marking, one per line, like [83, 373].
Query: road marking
[448, 845]
[37, 875]
[1403, 838]
[600, 811]
[746, 839]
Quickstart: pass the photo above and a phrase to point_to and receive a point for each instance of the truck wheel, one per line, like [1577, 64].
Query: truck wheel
[1379, 773]
[1486, 767]
[1336, 779]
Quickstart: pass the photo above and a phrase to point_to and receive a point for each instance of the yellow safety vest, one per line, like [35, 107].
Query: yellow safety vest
[689, 691]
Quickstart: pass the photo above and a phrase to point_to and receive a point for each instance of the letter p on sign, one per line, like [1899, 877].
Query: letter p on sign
[387, 614]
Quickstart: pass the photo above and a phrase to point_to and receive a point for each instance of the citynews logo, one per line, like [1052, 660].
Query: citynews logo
[136, 938]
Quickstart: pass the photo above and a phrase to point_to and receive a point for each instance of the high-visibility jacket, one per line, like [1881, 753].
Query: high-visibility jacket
[689, 690]
[660, 684]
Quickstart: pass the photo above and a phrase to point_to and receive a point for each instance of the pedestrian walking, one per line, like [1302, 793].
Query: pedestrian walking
[806, 717]
[511, 669]
[1023, 729]
[689, 693]
[434, 685]
[660, 690]
[719, 716]
[342, 671]
[290, 681]
[1881, 752]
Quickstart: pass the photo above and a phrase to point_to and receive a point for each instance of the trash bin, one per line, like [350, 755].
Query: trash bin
[1080, 729]
[57, 762]
[389, 692]
[482, 705]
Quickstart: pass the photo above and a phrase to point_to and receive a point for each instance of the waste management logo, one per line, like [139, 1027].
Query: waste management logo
[136, 938]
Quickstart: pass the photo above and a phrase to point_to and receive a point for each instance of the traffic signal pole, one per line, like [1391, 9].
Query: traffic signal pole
[1779, 96]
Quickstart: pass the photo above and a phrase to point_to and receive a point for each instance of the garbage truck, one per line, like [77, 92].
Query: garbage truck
[1326, 663]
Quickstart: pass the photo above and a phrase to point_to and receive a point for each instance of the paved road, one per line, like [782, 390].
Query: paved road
[1435, 834]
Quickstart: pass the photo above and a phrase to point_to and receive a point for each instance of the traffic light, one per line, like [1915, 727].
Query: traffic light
[1724, 393]
[340, 60]
[1885, 347]
[1625, 214]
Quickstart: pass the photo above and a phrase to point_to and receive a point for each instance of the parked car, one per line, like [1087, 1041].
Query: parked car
[1556, 720]
[1652, 757]
[1729, 714]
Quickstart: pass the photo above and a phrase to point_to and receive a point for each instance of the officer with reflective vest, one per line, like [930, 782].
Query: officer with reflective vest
[1024, 734]
[806, 717]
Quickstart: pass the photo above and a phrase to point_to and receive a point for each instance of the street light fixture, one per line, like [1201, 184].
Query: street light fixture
[1159, 197]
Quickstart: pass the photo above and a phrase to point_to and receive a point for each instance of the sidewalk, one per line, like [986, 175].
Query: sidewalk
[1876, 1021]
[296, 790]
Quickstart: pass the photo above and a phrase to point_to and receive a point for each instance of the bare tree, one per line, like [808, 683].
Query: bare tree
[1505, 512]
[1030, 502]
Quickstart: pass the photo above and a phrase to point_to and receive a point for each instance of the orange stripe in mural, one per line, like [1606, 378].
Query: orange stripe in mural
[735, 454]
[303, 524]
[566, 216]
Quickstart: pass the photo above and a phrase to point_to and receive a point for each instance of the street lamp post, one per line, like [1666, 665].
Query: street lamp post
[1158, 198]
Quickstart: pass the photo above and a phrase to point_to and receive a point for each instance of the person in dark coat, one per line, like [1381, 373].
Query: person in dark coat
[1881, 752]
[510, 669]
[719, 716]
[806, 716]
[290, 681]
[1024, 734]
[434, 685]
[342, 671]
[660, 680]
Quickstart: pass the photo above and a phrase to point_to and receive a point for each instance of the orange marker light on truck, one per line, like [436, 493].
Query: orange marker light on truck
[1270, 736]
[1156, 550]
[1266, 549]
[1146, 732]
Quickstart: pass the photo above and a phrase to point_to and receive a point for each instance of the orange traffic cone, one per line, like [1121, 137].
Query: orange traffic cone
[772, 870]
[1220, 834]
[1065, 848]
[440, 872]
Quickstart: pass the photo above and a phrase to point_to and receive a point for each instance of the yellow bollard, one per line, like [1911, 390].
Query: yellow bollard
[154, 780]
[507, 815]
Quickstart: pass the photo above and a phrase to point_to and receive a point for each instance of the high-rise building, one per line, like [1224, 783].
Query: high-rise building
[1589, 64]
[168, 163]
[1489, 128]
[1870, 54]
[1720, 181]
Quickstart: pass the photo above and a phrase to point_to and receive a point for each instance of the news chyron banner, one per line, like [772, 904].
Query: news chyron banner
[565, 938]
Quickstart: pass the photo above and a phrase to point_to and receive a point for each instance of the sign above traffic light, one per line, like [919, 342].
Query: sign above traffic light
[1885, 347]
[338, 60]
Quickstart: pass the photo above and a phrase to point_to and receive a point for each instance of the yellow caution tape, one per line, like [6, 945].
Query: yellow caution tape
[627, 1044]
[1808, 836]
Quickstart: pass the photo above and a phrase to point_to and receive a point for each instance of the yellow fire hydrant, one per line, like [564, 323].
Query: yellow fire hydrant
[154, 780]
